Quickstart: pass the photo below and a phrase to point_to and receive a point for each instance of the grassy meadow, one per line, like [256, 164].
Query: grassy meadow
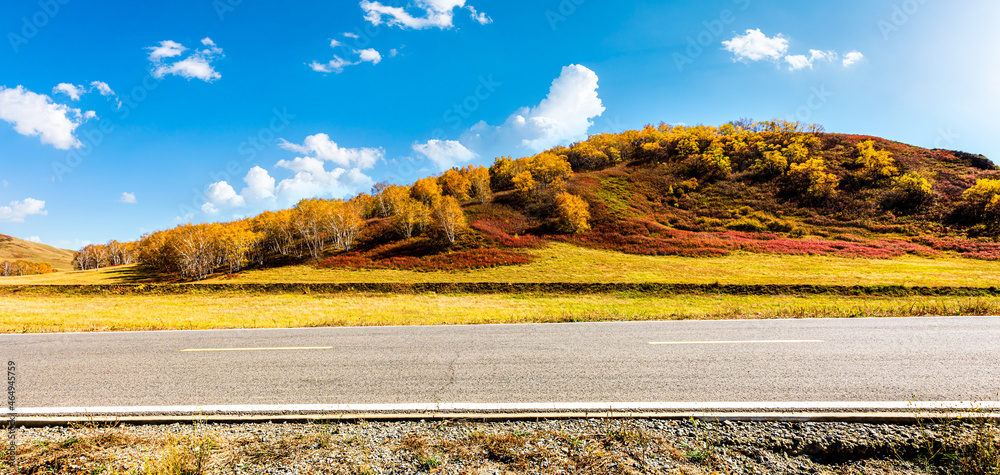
[83, 313]
[560, 262]
[55, 311]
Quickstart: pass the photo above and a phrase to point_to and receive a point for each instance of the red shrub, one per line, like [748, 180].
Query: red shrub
[495, 231]
[989, 251]
[685, 243]
[503, 218]
[462, 260]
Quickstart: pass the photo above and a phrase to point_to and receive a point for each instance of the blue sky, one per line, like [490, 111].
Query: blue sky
[123, 118]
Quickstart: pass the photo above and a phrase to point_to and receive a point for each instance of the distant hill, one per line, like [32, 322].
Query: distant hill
[13, 249]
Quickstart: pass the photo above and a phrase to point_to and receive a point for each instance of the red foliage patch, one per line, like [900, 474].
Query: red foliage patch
[503, 217]
[461, 260]
[495, 231]
[693, 244]
[987, 251]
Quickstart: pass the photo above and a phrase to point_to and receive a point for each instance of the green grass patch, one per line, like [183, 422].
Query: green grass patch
[616, 195]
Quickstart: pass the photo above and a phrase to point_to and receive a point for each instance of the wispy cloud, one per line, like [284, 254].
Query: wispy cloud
[801, 61]
[429, 14]
[197, 65]
[337, 64]
[74, 92]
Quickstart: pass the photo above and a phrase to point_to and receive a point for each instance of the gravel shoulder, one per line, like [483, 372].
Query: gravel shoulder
[612, 446]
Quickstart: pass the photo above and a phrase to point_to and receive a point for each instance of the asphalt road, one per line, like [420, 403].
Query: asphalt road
[930, 359]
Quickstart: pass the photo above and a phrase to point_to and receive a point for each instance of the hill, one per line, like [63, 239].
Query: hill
[14, 249]
[771, 187]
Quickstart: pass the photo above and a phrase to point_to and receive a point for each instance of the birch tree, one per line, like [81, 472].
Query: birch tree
[450, 218]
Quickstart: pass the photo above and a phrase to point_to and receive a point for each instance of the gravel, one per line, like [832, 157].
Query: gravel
[552, 446]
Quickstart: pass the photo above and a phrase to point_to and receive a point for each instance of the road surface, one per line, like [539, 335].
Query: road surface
[928, 359]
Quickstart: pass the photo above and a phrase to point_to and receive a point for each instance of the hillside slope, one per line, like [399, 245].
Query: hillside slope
[768, 187]
[907, 200]
[14, 249]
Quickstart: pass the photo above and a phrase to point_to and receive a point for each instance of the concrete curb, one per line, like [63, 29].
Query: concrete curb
[856, 412]
[858, 418]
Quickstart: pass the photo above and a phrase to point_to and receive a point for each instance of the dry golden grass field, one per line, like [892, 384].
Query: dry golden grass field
[72, 313]
[568, 263]
[43, 311]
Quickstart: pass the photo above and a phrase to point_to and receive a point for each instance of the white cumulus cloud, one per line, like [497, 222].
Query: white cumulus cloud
[445, 153]
[429, 14]
[35, 115]
[33, 239]
[370, 55]
[321, 147]
[564, 116]
[16, 211]
[221, 195]
[852, 58]
[797, 62]
[310, 177]
[197, 65]
[127, 198]
[756, 46]
[260, 186]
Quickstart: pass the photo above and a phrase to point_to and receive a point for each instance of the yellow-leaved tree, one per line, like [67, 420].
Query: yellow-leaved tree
[455, 183]
[984, 198]
[310, 222]
[387, 198]
[572, 213]
[450, 218]
[479, 178]
[812, 179]
[279, 233]
[874, 165]
[427, 191]
[502, 173]
[345, 224]
[412, 216]
[235, 243]
[909, 192]
[524, 186]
